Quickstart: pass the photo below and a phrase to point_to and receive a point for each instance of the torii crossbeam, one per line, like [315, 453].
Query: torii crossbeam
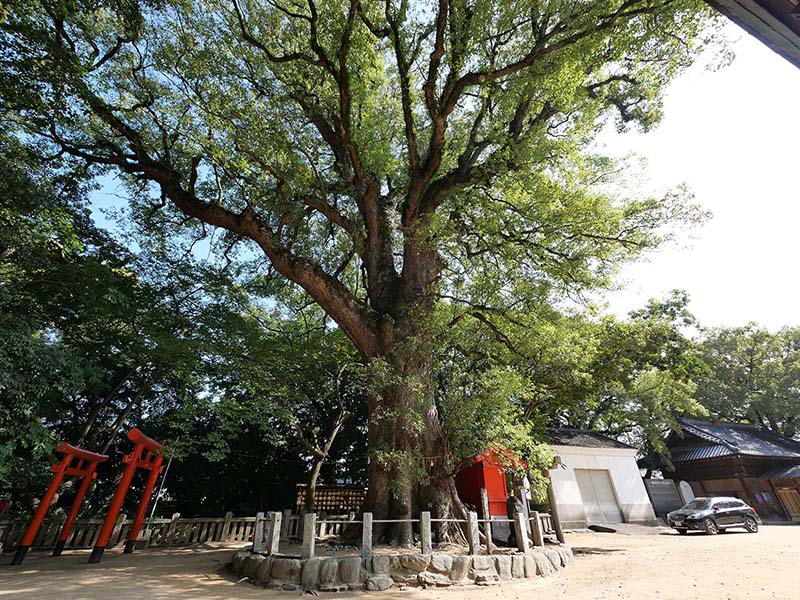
[86, 469]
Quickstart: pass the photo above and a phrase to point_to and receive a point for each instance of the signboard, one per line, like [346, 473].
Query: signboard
[663, 495]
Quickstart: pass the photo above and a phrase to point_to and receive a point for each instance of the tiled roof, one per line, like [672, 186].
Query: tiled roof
[701, 453]
[792, 472]
[584, 438]
[737, 438]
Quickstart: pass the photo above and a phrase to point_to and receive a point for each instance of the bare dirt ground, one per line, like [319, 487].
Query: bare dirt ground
[660, 565]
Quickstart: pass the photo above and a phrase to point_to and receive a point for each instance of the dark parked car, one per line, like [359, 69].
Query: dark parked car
[713, 515]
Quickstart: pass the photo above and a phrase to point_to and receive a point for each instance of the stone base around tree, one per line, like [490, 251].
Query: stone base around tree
[381, 572]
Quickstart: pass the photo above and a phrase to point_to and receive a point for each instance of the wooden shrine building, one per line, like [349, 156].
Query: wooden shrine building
[746, 461]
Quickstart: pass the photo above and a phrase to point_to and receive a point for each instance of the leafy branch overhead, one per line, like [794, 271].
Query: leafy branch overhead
[331, 133]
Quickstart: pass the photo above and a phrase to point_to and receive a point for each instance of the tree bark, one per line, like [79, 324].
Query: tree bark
[410, 468]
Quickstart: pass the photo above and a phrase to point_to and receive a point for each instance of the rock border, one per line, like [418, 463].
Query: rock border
[381, 572]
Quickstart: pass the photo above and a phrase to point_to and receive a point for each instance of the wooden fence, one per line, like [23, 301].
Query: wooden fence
[179, 531]
[327, 525]
[176, 531]
[273, 528]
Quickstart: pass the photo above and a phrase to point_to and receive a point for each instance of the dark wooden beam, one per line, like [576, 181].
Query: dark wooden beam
[774, 22]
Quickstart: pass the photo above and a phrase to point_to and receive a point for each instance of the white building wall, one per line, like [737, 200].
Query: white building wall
[625, 479]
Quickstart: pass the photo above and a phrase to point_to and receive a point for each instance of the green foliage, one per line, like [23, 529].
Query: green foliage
[753, 375]
[422, 173]
[629, 379]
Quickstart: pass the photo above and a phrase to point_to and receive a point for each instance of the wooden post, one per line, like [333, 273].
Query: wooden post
[521, 532]
[58, 523]
[226, 527]
[551, 498]
[425, 532]
[366, 535]
[274, 536]
[146, 533]
[473, 537]
[285, 522]
[487, 524]
[258, 533]
[309, 534]
[536, 528]
[523, 500]
[171, 528]
[117, 530]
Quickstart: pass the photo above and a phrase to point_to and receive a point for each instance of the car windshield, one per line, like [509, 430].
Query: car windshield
[698, 505]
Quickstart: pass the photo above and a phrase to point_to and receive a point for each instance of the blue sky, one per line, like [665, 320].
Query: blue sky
[733, 136]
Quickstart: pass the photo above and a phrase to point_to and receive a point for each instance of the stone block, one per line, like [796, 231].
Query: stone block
[264, 570]
[405, 578]
[565, 552]
[441, 563]
[434, 579]
[355, 586]
[460, 568]
[482, 563]
[250, 565]
[486, 579]
[238, 559]
[328, 572]
[503, 565]
[286, 569]
[530, 566]
[543, 565]
[381, 565]
[334, 587]
[379, 583]
[275, 584]
[554, 558]
[350, 570]
[518, 566]
[310, 576]
[415, 562]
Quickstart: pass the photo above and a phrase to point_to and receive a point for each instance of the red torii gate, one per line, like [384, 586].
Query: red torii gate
[85, 468]
[146, 454]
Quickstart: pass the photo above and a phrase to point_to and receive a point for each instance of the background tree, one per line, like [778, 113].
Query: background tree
[628, 379]
[378, 154]
[753, 375]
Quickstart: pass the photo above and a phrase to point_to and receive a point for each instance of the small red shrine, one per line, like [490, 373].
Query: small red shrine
[487, 470]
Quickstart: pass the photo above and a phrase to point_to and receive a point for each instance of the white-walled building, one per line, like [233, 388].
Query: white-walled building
[597, 481]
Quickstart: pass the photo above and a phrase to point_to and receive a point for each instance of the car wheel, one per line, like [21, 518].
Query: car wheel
[711, 527]
[750, 525]
[682, 531]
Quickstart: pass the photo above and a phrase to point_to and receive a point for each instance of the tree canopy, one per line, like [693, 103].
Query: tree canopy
[390, 159]
[753, 375]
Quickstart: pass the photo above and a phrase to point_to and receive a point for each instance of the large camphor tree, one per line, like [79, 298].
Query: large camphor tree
[384, 156]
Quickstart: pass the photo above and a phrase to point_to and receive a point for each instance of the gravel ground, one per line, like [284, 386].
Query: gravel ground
[634, 564]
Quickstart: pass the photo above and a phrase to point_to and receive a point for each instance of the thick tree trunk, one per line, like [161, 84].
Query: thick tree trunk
[410, 467]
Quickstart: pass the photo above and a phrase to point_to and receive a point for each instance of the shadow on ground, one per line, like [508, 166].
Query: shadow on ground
[588, 551]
